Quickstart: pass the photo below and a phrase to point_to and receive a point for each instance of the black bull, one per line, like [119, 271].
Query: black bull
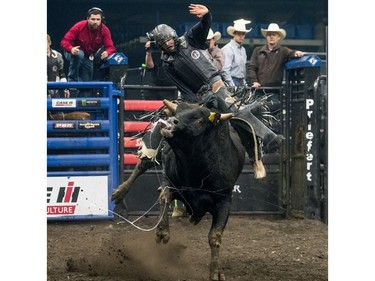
[202, 158]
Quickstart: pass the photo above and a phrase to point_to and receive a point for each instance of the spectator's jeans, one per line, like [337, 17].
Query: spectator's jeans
[238, 82]
[81, 68]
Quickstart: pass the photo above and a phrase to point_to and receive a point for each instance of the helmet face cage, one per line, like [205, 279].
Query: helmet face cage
[162, 33]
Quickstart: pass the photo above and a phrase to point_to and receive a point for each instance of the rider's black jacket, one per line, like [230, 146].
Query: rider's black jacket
[189, 66]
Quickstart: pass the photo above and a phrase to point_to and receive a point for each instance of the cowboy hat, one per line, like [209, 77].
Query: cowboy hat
[239, 25]
[216, 36]
[274, 27]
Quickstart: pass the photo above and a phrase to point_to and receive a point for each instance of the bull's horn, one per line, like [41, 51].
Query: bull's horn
[226, 116]
[170, 105]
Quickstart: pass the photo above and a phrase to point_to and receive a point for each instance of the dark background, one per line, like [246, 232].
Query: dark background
[129, 20]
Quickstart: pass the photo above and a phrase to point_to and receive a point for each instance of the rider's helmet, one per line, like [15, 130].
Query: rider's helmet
[162, 33]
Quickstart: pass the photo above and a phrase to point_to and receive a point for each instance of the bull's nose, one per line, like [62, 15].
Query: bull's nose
[163, 123]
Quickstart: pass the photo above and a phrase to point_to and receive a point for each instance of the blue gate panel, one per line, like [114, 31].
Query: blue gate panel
[82, 155]
[63, 126]
[78, 143]
[305, 61]
[78, 160]
[78, 103]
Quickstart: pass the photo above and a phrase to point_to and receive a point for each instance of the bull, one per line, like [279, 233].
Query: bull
[202, 158]
[150, 154]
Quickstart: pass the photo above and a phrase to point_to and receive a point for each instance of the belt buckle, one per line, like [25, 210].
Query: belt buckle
[91, 57]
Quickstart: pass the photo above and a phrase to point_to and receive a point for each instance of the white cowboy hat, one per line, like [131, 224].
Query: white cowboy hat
[239, 25]
[274, 27]
[216, 36]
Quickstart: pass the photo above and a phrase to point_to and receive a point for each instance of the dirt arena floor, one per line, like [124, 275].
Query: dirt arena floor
[254, 248]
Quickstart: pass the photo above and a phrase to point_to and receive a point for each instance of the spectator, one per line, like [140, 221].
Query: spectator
[266, 67]
[83, 42]
[156, 75]
[216, 53]
[55, 70]
[197, 78]
[234, 70]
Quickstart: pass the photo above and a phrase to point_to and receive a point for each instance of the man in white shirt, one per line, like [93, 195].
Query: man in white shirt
[234, 70]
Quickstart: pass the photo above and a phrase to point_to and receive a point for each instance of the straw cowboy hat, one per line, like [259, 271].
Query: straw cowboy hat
[239, 25]
[216, 36]
[274, 27]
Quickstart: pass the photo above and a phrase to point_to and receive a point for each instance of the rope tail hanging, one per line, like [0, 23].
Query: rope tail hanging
[259, 170]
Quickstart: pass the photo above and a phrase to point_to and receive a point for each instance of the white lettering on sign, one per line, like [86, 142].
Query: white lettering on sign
[309, 102]
[236, 188]
[60, 210]
[309, 145]
[310, 137]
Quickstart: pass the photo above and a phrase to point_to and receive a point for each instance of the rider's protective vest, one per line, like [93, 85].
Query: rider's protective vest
[193, 65]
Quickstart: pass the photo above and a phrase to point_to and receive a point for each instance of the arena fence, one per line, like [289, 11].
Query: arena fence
[306, 165]
[82, 151]
[86, 159]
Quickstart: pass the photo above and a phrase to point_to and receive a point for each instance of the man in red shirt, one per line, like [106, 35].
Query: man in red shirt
[83, 42]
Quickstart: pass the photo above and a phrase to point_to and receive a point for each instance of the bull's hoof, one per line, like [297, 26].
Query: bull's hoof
[217, 276]
[118, 194]
[179, 212]
[162, 236]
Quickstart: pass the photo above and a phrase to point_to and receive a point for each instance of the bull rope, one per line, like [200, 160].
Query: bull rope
[132, 223]
[258, 162]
